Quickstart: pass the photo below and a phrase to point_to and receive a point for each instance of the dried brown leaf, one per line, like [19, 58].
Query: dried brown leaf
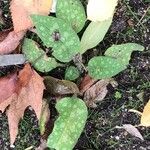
[60, 87]
[7, 87]
[22, 9]
[133, 131]
[85, 84]
[30, 94]
[4, 34]
[11, 42]
[96, 92]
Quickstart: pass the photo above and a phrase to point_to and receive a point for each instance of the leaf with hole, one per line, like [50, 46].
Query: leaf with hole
[59, 35]
[68, 127]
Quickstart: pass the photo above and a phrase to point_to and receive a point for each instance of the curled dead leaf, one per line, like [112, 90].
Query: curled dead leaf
[132, 130]
[96, 92]
[60, 87]
[45, 116]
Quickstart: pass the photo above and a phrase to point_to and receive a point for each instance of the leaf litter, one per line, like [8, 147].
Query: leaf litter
[28, 92]
[94, 91]
[131, 130]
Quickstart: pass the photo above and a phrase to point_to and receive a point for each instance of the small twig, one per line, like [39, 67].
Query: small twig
[139, 22]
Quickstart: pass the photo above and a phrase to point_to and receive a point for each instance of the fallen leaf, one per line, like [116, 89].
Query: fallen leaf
[60, 87]
[96, 92]
[145, 118]
[7, 86]
[4, 34]
[30, 93]
[11, 42]
[21, 11]
[45, 116]
[85, 84]
[133, 131]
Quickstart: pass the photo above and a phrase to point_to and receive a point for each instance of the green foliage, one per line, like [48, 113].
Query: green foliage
[123, 52]
[71, 73]
[59, 35]
[73, 12]
[116, 59]
[37, 57]
[102, 67]
[68, 127]
[94, 34]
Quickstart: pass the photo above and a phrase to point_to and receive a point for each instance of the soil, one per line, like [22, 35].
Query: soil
[132, 92]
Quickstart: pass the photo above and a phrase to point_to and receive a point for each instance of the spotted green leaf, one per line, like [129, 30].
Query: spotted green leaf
[68, 127]
[59, 35]
[123, 52]
[71, 73]
[102, 67]
[37, 57]
[94, 34]
[73, 12]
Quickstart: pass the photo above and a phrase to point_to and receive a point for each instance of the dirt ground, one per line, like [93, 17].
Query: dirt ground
[131, 23]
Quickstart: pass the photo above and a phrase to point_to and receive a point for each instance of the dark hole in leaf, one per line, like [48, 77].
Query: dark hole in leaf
[56, 35]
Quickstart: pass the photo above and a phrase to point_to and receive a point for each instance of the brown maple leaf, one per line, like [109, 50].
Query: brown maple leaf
[7, 87]
[4, 34]
[22, 9]
[30, 93]
[10, 42]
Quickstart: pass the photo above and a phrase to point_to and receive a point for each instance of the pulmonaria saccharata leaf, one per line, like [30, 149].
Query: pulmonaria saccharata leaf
[68, 127]
[73, 12]
[37, 57]
[59, 35]
[123, 52]
[103, 67]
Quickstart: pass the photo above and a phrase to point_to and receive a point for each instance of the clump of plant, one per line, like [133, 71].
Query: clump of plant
[59, 34]
[60, 37]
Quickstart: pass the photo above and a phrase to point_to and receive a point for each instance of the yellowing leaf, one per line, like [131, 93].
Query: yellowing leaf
[100, 10]
[145, 118]
[22, 9]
